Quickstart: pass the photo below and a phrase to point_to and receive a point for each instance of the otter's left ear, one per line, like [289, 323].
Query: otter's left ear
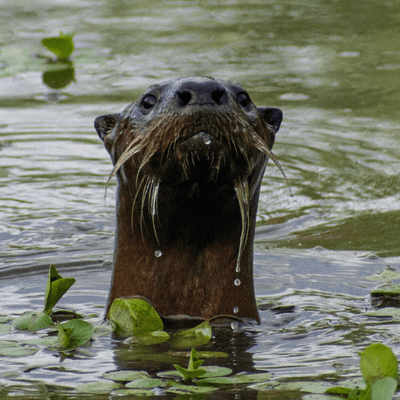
[272, 116]
[105, 124]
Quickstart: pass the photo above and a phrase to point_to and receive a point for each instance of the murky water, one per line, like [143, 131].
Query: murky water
[332, 67]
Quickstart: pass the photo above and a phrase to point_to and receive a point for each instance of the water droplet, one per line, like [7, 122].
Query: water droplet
[236, 309]
[237, 269]
[237, 282]
[207, 142]
[158, 253]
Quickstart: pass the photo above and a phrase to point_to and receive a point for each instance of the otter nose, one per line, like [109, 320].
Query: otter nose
[201, 93]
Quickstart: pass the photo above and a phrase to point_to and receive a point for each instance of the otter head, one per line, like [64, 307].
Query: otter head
[189, 157]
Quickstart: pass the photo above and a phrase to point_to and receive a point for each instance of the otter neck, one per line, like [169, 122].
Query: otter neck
[190, 267]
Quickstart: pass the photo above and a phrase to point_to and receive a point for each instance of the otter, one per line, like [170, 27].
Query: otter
[189, 157]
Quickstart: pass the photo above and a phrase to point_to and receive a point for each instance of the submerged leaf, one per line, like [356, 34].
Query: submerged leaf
[150, 338]
[134, 317]
[377, 362]
[32, 321]
[197, 336]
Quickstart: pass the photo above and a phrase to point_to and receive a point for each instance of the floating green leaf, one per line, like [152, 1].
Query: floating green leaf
[62, 46]
[217, 381]
[215, 371]
[43, 341]
[389, 290]
[377, 362]
[150, 338]
[393, 312]
[74, 333]
[134, 317]
[55, 288]
[32, 321]
[14, 349]
[193, 370]
[197, 336]
[5, 328]
[145, 383]
[384, 389]
[251, 378]
[386, 275]
[98, 387]
[125, 376]
[105, 328]
[179, 388]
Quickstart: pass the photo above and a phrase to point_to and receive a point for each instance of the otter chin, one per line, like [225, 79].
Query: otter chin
[189, 157]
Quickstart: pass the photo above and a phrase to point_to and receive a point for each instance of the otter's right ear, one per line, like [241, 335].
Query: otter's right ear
[272, 116]
[105, 124]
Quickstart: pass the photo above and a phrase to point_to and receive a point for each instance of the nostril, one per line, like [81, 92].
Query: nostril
[184, 96]
[217, 95]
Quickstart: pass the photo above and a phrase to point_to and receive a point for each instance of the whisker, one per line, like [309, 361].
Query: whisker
[243, 196]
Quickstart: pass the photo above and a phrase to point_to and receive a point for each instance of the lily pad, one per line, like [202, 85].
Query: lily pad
[217, 381]
[173, 374]
[146, 383]
[389, 290]
[212, 354]
[32, 321]
[5, 328]
[133, 393]
[134, 317]
[216, 371]
[14, 349]
[378, 362]
[125, 376]
[98, 387]
[194, 337]
[384, 389]
[385, 312]
[180, 388]
[43, 341]
[251, 378]
[386, 275]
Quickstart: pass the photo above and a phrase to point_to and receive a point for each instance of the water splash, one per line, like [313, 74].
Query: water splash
[158, 253]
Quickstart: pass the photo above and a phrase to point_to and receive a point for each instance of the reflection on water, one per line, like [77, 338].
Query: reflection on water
[332, 67]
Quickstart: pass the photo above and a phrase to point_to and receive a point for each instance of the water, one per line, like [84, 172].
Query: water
[332, 67]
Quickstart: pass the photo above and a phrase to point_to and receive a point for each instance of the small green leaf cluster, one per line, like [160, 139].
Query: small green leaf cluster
[186, 381]
[71, 334]
[379, 368]
[137, 318]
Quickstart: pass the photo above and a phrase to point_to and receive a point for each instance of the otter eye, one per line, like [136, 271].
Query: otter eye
[243, 99]
[148, 102]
